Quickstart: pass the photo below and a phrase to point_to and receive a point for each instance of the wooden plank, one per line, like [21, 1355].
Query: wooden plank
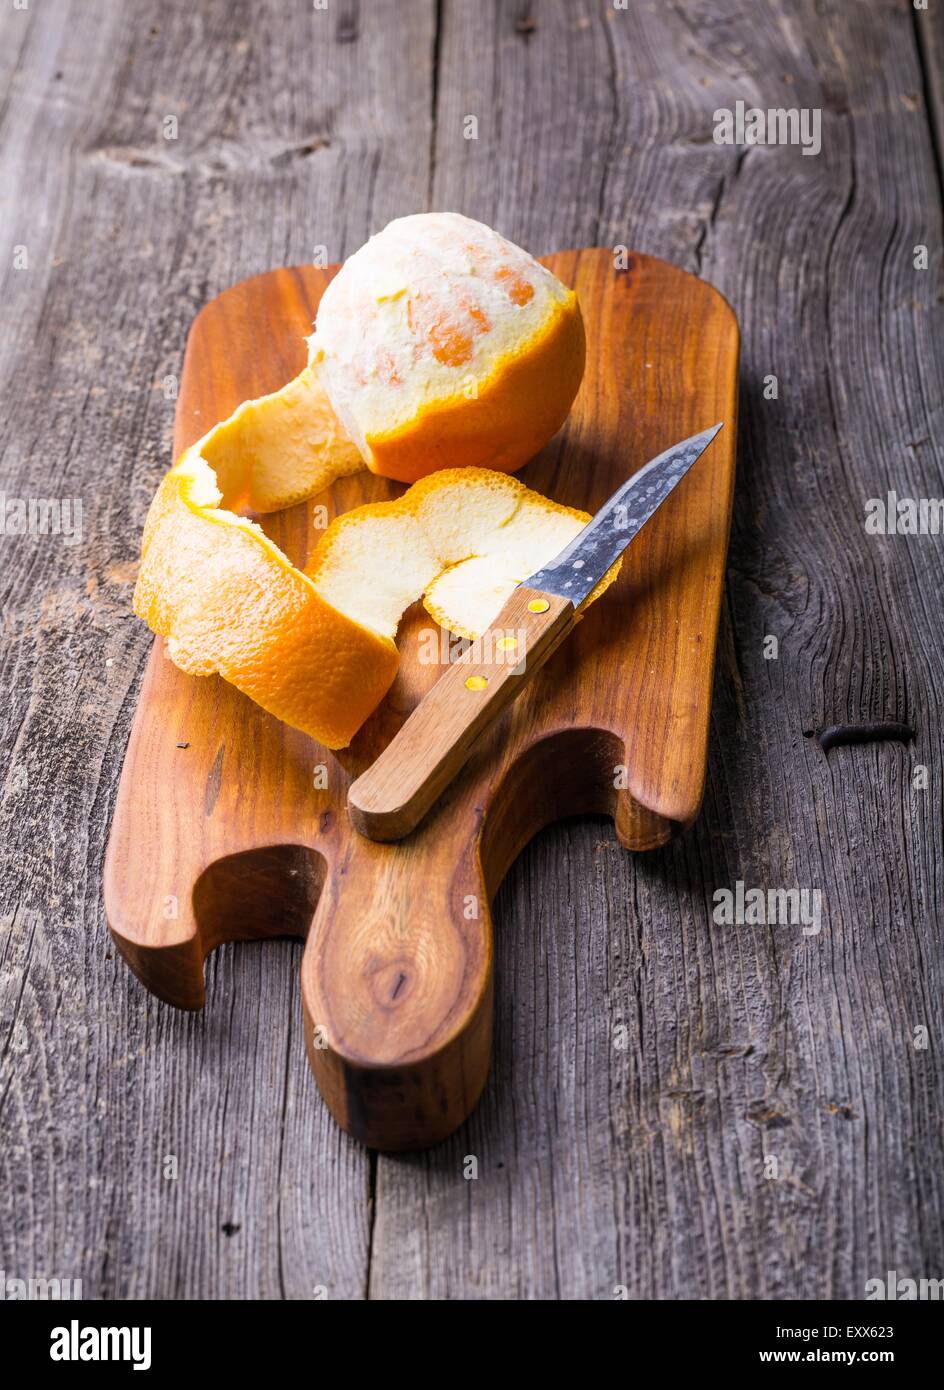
[645, 1168]
[597, 1166]
[296, 127]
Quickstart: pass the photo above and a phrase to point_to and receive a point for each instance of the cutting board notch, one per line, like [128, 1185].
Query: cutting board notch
[232, 837]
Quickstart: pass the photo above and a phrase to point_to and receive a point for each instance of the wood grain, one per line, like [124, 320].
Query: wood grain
[596, 1166]
[396, 985]
[646, 1168]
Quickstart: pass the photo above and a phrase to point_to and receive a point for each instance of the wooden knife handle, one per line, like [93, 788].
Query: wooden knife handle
[394, 794]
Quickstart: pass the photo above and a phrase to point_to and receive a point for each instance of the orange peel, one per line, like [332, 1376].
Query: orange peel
[280, 449]
[229, 602]
[461, 540]
[315, 647]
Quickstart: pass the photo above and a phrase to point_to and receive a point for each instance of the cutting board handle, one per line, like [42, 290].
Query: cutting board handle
[397, 992]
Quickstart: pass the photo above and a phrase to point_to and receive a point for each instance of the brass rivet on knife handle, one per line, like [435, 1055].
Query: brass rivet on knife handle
[394, 794]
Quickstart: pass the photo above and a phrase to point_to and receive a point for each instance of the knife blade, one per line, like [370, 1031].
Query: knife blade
[390, 799]
[583, 562]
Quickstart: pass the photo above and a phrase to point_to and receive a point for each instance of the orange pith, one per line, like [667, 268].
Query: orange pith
[281, 448]
[517, 288]
[450, 336]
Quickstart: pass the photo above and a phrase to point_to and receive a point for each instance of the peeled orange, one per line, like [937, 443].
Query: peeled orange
[440, 344]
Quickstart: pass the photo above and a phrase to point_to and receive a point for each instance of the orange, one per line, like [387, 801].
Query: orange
[440, 344]
[437, 343]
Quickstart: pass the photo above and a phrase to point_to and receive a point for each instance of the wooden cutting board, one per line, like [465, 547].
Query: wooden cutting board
[230, 826]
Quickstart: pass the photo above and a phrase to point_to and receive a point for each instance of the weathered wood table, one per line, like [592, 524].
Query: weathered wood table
[679, 1107]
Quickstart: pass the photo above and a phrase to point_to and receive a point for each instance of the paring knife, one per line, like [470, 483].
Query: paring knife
[394, 794]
